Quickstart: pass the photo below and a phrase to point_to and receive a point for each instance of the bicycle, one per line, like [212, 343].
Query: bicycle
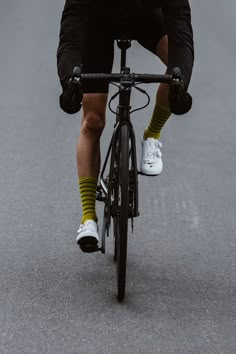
[119, 188]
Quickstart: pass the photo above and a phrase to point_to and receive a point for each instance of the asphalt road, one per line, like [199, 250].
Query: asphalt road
[181, 258]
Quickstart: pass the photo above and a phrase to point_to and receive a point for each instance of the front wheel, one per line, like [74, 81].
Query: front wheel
[121, 198]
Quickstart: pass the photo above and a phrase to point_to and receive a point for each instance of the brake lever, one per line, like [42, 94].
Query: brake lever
[76, 76]
[177, 83]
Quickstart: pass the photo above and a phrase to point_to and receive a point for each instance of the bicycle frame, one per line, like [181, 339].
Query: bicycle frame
[122, 118]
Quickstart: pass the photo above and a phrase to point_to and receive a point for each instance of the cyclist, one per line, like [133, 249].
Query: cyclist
[87, 33]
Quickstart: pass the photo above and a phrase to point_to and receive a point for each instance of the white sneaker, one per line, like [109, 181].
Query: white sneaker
[87, 237]
[151, 162]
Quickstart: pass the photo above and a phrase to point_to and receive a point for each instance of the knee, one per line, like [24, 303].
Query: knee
[94, 108]
[93, 123]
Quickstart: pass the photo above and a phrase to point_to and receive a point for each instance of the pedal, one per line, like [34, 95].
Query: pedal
[88, 244]
[89, 248]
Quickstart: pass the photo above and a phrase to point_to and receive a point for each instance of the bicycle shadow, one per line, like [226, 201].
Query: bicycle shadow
[169, 291]
[82, 283]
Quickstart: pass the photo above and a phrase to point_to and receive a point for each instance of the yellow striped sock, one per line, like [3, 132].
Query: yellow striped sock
[88, 187]
[159, 117]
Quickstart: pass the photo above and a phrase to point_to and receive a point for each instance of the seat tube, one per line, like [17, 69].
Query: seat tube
[123, 44]
[123, 58]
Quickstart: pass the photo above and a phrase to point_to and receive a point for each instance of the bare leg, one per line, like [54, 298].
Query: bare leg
[93, 122]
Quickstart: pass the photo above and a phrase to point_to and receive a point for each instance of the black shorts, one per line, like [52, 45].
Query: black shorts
[90, 42]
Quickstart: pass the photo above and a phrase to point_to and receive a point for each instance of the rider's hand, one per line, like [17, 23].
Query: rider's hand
[179, 99]
[71, 98]
[180, 103]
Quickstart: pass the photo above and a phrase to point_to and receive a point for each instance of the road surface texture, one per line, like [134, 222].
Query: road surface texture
[181, 258]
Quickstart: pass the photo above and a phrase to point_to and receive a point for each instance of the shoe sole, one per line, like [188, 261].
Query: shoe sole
[88, 244]
[149, 175]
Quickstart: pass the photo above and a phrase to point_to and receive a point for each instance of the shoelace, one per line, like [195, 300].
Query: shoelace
[155, 146]
[88, 227]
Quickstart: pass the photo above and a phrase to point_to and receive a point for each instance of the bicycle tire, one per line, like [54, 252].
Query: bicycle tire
[116, 203]
[115, 232]
[115, 196]
[121, 218]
